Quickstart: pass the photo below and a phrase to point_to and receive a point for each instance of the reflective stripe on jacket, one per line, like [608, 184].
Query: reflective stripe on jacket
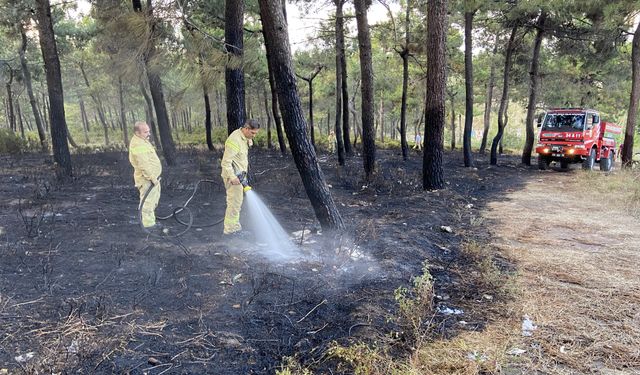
[145, 161]
[236, 155]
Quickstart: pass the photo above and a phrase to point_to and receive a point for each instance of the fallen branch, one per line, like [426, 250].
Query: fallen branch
[312, 310]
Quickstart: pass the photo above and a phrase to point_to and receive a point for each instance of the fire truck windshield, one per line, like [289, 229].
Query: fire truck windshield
[564, 121]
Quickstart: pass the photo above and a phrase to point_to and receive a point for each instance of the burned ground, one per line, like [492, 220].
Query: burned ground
[83, 289]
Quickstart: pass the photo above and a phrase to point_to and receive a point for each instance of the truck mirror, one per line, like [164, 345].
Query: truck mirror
[539, 120]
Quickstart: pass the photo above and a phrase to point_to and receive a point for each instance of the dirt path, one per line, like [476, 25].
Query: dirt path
[579, 276]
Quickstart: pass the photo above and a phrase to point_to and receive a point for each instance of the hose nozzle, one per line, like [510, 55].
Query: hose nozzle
[244, 180]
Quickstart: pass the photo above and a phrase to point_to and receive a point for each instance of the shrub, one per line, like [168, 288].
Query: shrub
[11, 143]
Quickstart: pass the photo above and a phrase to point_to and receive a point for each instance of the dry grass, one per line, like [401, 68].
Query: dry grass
[578, 257]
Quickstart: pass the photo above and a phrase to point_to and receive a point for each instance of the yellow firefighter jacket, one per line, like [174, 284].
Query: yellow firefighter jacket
[236, 155]
[145, 161]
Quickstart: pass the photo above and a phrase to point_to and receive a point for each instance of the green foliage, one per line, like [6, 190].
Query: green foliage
[415, 305]
[11, 143]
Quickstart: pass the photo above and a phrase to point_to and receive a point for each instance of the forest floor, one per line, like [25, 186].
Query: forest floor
[83, 289]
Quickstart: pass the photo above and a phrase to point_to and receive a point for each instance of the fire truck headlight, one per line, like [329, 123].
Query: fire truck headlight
[545, 150]
[571, 151]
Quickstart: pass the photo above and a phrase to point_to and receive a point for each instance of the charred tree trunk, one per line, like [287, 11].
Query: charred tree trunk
[489, 100]
[20, 123]
[339, 51]
[26, 74]
[309, 80]
[432, 170]
[58, 121]
[366, 72]
[634, 98]
[275, 30]
[505, 97]
[468, 85]
[234, 72]
[533, 91]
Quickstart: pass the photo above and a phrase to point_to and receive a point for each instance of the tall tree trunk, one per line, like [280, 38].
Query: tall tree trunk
[266, 110]
[404, 54]
[234, 72]
[505, 96]
[489, 99]
[453, 122]
[207, 116]
[339, 51]
[85, 120]
[123, 116]
[11, 114]
[157, 93]
[275, 30]
[634, 98]
[274, 97]
[346, 140]
[20, 123]
[149, 114]
[58, 122]
[468, 84]
[432, 170]
[533, 91]
[368, 105]
[26, 74]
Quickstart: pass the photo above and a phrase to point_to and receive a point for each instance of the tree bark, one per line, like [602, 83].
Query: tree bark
[339, 51]
[26, 74]
[19, 115]
[266, 111]
[58, 121]
[366, 73]
[404, 54]
[533, 91]
[275, 31]
[11, 114]
[234, 72]
[85, 120]
[149, 115]
[489, 99]
[274, 98]
[432, 170]
[453, 121]
[157, 93]
[505, 97]
[207, 117]
[468, 85]
[634, 98]
[345, 99]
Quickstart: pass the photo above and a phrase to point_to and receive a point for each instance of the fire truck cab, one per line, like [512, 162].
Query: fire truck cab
[576, 135]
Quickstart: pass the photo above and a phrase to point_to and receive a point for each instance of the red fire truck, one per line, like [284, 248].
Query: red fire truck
[576, 135]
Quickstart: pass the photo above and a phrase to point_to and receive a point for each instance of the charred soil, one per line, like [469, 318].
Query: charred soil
[84, 289]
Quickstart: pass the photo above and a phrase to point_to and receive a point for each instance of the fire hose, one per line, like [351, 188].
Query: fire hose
[243, 177]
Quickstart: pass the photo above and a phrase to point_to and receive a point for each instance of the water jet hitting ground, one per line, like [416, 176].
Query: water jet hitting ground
[270, 236]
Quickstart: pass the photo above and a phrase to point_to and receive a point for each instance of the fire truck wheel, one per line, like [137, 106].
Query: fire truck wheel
[564, 164]
[588, 163]
[543, 162]
[606, 164]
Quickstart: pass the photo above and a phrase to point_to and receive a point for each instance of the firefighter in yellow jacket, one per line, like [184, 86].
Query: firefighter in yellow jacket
[146, 171]
[235, 161]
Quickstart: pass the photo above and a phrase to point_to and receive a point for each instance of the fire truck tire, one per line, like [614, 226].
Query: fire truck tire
[564, 164]
[543, 163]
[606, 164]
[588, 163]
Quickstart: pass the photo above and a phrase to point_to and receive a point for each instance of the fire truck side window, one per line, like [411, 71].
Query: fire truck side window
[596, 119]
[590, 121]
